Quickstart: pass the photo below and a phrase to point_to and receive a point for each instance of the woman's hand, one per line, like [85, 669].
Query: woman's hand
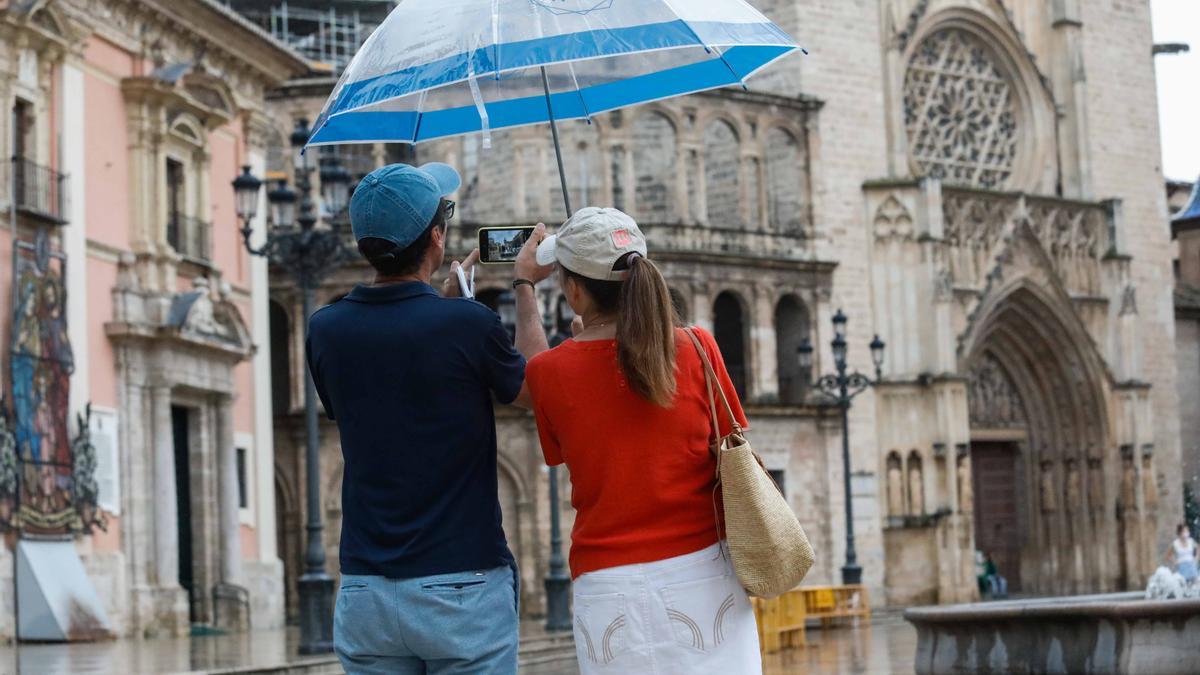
[526, 266]
[450, 287]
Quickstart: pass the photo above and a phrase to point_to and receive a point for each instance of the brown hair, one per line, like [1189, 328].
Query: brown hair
[646, 321]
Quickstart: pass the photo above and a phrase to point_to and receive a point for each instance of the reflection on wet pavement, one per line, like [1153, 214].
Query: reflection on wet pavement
[884, 647]
[170, 655]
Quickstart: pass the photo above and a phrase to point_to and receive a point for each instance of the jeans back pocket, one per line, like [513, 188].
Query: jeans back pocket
[702, 612]
[601, 627]
[455, 583]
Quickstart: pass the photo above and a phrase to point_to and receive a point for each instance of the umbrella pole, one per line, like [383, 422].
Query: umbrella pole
[562, 173]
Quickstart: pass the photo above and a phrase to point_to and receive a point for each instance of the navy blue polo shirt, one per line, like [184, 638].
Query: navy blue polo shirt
[409, 377]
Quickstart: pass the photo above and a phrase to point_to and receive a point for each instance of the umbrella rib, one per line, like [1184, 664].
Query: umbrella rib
[496, 36]
[587, 113]
[420, 117]
[707, 47]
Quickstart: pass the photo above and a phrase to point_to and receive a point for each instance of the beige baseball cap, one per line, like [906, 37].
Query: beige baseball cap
[592, 242]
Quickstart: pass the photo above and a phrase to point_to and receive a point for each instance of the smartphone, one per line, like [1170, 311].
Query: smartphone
[500, 245]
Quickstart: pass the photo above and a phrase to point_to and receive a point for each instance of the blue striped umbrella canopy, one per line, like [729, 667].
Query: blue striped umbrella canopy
[441, 68]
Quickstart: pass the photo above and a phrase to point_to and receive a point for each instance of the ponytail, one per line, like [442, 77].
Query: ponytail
[646, 333]
[646, 321]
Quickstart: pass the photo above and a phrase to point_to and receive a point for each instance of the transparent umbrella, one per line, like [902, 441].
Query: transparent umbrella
[442, 68]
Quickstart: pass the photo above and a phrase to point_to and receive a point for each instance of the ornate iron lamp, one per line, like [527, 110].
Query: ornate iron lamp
[842, 387]
[311, 254]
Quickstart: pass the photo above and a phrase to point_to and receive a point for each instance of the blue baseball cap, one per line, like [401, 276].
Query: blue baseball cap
[398, 202]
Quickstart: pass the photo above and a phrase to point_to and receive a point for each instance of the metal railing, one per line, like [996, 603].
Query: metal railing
[39, 191]
[190, 237]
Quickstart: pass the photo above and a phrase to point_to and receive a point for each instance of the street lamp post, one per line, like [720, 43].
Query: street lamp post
[842, 387]
[310, 254]
[557, 581]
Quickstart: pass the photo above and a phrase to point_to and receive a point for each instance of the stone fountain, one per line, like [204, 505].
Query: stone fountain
[1156, 631]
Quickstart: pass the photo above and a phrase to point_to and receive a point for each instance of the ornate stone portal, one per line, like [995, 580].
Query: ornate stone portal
[177, 352]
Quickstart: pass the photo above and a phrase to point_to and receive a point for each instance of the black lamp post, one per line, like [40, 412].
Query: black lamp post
[557, 581]
[310, 254]
[842, 387]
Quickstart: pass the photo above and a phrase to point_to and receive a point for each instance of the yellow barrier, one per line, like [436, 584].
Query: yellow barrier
[781, 621]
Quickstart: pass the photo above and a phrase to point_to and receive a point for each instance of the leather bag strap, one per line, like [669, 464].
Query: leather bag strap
[710, 380]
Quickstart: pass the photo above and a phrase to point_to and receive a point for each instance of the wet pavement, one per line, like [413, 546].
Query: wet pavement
[885, 646]
[170, 655]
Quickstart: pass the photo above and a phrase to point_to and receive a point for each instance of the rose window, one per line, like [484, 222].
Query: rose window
[960, 112]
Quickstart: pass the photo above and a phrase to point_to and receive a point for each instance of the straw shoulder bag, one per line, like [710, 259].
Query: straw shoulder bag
[771, 553]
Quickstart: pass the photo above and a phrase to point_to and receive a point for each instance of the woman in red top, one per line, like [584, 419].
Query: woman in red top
[624, 406]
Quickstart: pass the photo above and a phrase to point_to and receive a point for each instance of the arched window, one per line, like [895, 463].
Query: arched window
[791, 327]
[722, 166]
[281, 359]
[785, 184]
[654, 167]
[681, 307]
[729, 328]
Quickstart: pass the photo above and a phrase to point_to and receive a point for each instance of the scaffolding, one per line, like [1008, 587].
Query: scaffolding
[328, 32]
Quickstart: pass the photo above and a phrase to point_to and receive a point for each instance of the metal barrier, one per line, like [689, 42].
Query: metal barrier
[782, 621]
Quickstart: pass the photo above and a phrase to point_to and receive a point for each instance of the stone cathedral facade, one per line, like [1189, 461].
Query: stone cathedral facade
[977, 182]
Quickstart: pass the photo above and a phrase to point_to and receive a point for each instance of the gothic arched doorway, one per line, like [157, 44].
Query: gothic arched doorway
[1038, 436]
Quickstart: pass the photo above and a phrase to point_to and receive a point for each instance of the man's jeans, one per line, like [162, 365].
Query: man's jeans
[442, 625]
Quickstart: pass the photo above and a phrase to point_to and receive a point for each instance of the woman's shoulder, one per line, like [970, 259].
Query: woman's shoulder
[681, 333]
[551, 357]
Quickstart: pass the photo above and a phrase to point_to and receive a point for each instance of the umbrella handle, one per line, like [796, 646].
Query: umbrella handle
[562, 172]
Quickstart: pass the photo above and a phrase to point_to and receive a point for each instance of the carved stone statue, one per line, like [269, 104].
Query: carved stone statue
[916, 491]
[1128, 482]
[1149, 487]
[966, 493]
[991, 397]
[1074, 492]
[895, 486]
[1049, 496]
[1096, 486]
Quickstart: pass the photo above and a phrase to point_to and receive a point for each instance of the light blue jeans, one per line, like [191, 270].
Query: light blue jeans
[448, 624]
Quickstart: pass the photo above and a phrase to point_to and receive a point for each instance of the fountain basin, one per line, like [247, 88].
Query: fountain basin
[1114, 633]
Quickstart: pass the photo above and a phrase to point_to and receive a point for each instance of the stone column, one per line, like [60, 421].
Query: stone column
[702, 302]
[227, 486]
[166, 526]
[763, 337]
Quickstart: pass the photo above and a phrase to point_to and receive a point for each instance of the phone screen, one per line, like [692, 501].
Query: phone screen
[500, 245]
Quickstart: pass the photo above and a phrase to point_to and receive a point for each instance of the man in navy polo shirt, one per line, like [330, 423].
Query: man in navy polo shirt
[428, 582]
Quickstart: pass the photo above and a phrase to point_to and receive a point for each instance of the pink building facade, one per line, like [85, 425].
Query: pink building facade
[130, 290]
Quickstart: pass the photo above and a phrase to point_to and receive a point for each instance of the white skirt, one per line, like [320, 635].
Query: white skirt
[686, 615]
